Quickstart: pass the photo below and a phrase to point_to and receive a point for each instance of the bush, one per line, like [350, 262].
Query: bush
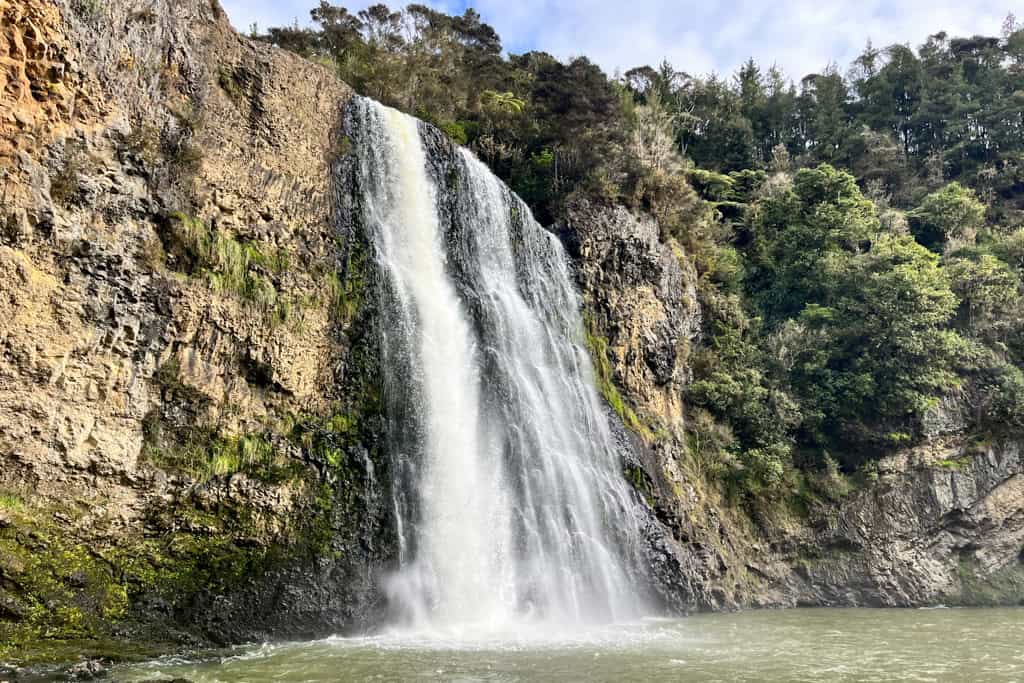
[144, 142]
[455, 132]
[227, 79]
[951, 216]
[668, 197]
[181, 149]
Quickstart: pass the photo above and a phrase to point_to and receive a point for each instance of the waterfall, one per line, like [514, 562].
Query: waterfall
[509, 498]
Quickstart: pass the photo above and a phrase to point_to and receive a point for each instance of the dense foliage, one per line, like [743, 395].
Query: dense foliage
[859, 237]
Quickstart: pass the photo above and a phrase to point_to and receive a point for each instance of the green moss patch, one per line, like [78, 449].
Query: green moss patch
[956, 464]
[203, 453]
[347, 291]
[230, 265]
[52, 586]
[64, 595]
[598, 346]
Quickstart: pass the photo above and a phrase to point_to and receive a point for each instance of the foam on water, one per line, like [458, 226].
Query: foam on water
[773, 645]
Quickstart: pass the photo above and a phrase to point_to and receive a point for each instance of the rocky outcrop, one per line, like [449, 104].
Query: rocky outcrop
[184, 417]
[641, 298]
[943, 523]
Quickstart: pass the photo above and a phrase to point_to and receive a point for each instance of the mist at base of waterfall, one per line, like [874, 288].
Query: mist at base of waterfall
[768, 645]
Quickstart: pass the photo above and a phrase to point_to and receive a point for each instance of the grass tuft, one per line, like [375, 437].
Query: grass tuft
[11, 502]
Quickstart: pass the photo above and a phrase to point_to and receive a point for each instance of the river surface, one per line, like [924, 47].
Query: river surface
[786, 645]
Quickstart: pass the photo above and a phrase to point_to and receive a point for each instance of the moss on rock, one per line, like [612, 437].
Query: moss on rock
[598, 346]
[53, 585]
[60, 585]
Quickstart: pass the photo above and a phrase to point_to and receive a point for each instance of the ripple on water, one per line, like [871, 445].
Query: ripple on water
[809, 645]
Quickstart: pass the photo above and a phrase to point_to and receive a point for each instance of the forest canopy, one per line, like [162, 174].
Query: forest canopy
[859, 233]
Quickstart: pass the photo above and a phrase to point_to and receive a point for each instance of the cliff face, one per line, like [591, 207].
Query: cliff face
[185, 440]
[641, 298]
[189, 424]
[943, 523]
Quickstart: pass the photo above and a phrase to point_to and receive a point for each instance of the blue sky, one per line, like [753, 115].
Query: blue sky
[801, 36]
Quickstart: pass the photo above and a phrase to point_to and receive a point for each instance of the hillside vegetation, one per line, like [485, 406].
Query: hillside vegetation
[859, 235]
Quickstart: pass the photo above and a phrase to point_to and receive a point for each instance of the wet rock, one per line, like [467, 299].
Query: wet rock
[87, 670]
[10, 607]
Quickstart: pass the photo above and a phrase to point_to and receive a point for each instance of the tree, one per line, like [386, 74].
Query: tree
[798, 236]
[653, 139]
[825, 100]
[339, 30]
[989, 293]
[502, 101]
[882, 355]
[890, 93]
[948, 218]
[736, 381]
[713, 131]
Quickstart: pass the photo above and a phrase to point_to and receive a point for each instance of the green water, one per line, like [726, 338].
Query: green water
[789, 645]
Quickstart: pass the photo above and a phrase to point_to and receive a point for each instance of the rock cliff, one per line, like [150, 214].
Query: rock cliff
[186, 444]
[942, 524]
[189, 423]
[939, 524]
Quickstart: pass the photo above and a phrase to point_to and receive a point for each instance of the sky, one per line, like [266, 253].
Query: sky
[801, 36]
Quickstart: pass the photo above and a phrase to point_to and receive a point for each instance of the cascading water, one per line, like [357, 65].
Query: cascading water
[510, 502]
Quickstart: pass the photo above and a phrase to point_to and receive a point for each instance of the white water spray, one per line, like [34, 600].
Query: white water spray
[509, 495]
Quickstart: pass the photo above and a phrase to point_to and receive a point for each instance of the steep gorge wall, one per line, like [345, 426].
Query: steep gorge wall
[185, 437]
[188, 419]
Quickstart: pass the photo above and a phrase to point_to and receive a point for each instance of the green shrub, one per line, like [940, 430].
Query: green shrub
[347, 290]
[203, 453]
[144, 142]
[10, 501]
[455, 132]
[231, 266]
[181, 150]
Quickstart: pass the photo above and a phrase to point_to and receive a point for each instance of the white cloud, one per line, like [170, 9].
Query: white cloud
[697, 36]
